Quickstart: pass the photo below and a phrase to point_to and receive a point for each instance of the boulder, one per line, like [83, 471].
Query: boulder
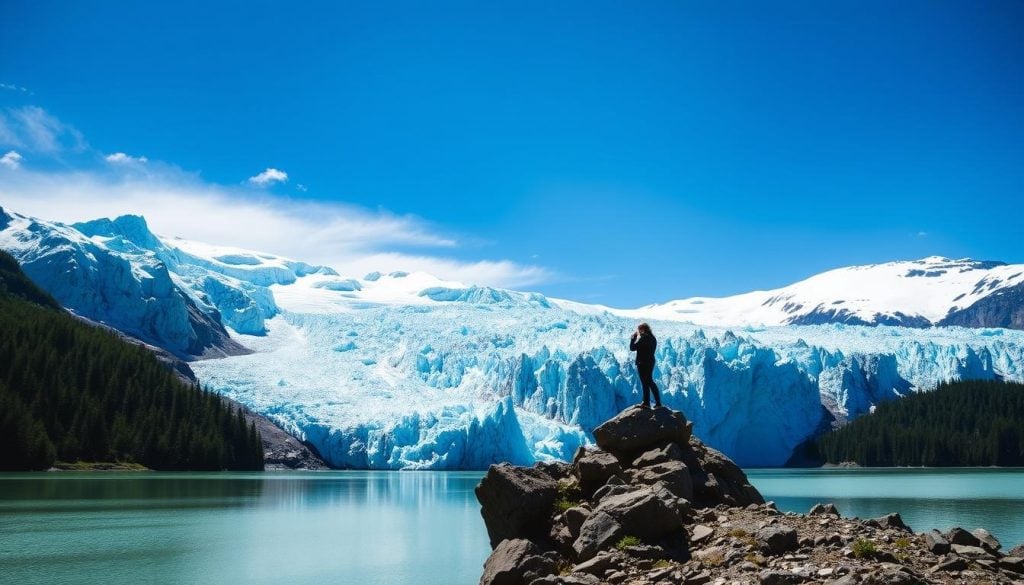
[701, 533]
[890, 522]
[597, 565]
[1017, 551]
[640, 513]
[716, 479]
[669, 452]
[574, 519]
[986, 539]
[593, 468]
[971, 552]
[516, 502]
[1012, 564]
[610, 489]
[935, 542]
[636, 429]
[960, 536]
[824, 510]
[777, 540]
[950, 563]
[510, 561]
[674, 474]
[600, 531]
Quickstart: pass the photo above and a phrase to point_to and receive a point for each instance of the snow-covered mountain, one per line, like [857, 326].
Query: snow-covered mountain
[409, 371]
[917, 293]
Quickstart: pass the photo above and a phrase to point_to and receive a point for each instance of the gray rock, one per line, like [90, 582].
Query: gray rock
[574, 518]
[508, 562]
[971, 552]
[641, 513]
[674, 474]
[597, 565]
[670, 452]
[889, 521]
[986, 539]
[1017, 551]
[516, 502]
[610, 490]
[774, 577]
[701, 533]
[593, 468]
[701, 578]
[950, 563]
[1012, 564]
[636, 428]
[716, 479]
[777, 540]
[824, 510]
[935, 542]
[850, 579]
[960, 536]
[599, 532]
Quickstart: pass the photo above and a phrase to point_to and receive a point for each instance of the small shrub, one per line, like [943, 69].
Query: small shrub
[712, 560]
[661, 564]
[738, 533]
[862, 548]
[756, 558]
[563, 504]
[626, 542]
[902, 542]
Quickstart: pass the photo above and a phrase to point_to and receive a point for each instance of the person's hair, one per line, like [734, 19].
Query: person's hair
[645, 328]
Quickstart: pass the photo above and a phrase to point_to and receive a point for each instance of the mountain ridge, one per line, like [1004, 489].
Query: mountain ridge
[406, 370]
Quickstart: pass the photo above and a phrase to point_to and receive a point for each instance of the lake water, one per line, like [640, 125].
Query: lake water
[368, 528]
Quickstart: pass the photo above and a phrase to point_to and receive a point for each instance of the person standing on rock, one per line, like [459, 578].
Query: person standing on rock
[644, 343]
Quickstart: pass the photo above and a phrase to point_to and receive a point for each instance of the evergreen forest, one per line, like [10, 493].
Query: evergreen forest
[70, 391]
[959, 424]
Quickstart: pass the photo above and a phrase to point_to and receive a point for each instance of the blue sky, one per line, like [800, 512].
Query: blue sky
[608, 152]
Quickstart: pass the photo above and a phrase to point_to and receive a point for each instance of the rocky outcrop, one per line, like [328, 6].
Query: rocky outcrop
[653, 505]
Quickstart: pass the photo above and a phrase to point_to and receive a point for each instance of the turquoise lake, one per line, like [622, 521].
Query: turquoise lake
[369, 528]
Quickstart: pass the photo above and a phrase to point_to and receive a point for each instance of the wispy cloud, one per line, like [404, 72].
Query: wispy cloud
[269, 177]
[921, 234]
[352, 239]
[120, 158]
[34, 129]
[11, 160]
[349, 238]
[17, 88]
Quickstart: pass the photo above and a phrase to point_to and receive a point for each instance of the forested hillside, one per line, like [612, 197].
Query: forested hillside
[73, 392]
[969, 423]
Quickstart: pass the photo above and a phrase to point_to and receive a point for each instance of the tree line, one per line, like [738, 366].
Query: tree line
[959, 424]
[70, 392]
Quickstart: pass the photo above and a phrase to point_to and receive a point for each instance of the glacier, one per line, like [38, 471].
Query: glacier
[408, 371]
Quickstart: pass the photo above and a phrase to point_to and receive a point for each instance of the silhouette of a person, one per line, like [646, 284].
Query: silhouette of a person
[644, 343]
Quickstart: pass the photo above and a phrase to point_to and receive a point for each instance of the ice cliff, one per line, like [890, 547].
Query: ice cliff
[409, 371]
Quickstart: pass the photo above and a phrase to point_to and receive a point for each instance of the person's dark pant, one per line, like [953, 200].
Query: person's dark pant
[646, 372]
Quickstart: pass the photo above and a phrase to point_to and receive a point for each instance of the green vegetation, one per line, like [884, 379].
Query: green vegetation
[73, 392]
[626, 542]
[569, 496]
[863, 548]
[970, 423]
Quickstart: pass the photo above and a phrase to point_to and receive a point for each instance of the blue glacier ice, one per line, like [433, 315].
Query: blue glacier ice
[407, 371]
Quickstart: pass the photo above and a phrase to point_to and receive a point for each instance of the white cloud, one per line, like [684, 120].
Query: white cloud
[12, 87]
[351, 239]
[11, 160]
[269, 177]
[122, 158]
[34, 129]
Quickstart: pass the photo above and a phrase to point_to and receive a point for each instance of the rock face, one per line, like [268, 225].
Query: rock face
[516, 501]
[634, 493]
[646, 509]
[636, 429]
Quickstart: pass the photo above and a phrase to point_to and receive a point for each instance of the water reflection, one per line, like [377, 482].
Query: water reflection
[338, 527]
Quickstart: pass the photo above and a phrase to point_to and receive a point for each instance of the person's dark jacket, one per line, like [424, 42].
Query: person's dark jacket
[644, 346]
